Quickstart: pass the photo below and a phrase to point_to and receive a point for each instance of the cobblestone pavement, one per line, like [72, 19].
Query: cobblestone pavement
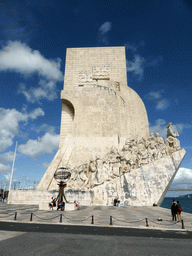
[133, 217]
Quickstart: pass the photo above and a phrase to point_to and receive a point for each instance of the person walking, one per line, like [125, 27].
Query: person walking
[179, 210]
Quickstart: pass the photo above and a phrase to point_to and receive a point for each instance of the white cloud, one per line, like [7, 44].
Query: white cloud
[162, 104]
[46, 90]
[103, 32]
[183, 179]
[6, 157]
[136, 66]
[160, 127]
[44, 128]
[7, 177]
[4, 168]
[9, 124]
[19, 57]
[154, 95]
[35, 113]
[183, 175]
[35, 148]
[105, 27]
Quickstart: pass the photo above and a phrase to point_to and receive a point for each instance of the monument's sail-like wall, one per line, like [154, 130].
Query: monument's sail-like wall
[99, 110]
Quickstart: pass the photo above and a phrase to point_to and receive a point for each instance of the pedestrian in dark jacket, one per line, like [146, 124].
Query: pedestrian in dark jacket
[174, 209]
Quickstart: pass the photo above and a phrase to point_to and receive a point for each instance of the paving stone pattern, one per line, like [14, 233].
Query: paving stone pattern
[134, 217]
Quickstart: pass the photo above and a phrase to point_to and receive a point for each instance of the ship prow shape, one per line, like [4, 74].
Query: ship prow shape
[138, 175]
[142, 186]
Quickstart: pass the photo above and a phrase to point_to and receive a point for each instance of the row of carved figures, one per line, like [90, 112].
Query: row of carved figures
[134, 154]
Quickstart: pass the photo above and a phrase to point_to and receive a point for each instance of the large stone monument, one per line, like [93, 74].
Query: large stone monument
[104, 136]
[99, 110]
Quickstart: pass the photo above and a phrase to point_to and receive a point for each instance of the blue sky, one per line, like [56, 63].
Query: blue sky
[34, 36]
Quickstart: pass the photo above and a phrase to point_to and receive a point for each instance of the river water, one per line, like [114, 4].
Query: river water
[186, 203]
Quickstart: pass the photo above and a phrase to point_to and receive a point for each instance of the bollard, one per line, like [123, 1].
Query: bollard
[183, 227]
[31, 218]
[92, 221]
[15, 216]
[111, 222]
[147, 225]
[60, 218]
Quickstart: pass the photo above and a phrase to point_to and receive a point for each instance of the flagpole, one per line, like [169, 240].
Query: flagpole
[13, 167]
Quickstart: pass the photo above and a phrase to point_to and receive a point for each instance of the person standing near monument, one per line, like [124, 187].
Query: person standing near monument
[174, 209]
[179, 210]
[77, 205]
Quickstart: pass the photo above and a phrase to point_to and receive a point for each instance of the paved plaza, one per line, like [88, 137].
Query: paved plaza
[103, 216]
[36, 232]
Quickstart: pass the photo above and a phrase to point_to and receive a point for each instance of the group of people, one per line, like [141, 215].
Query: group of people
[60, 204]
[176, 210]
[116, 202]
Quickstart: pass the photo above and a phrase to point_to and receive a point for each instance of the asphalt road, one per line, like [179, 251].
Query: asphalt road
[42, 239]
[35, 243]
[94, 230]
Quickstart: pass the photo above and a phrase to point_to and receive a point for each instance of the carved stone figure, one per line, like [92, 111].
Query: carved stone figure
[170, 131]
[171, 142]
[142, 153]
[83, 174]
[159, 139]
[92, 171]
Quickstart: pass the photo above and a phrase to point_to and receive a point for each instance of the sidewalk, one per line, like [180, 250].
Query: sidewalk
[128, 217]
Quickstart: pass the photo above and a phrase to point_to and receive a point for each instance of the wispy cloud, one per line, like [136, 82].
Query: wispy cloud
[183, 179]
[45, 144]
[183, 175]
[136, 63]
[162, 104]
[103, 32]
[44, 128]
[5, 160]
[6, 157]
[105, 27]
[153, 61]
[45, 90]
[20, 58]
[10, 120]
[136, 66]
[4, 168]
[156, 96]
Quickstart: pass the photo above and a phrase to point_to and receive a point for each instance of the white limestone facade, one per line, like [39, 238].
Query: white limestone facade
[99, 110]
